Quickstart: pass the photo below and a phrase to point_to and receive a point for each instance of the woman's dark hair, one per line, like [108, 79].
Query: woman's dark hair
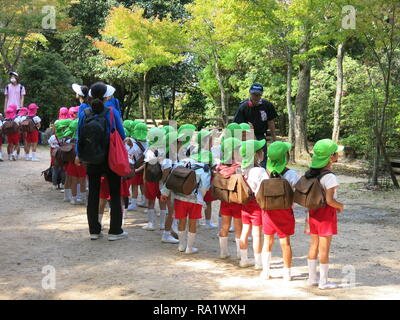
[98, 91]
[85, 91]
[313, 173]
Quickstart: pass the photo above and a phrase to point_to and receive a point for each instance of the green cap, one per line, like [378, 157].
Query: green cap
[204, 156]
[232, 127]
[245, 126]
[61, 126]
[277, 159]
[71, 130]
[170, 137]
[249, 149]
[228, 146]
[168, 129]
[140, 131]
[186, 131]
[156, 137]
[322, 152]
[202, 135]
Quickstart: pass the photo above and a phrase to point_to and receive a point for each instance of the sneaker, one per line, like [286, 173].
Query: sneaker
[9, 157]
[211, 226]
[162, 226]
[35, 160]
[224, 256]
[53, 187]
[113, 237]
[141, 203]
[264, 275]
[312, 283]
[62, 190]
[132, 207]
[13, 158]
[74, 202]
[287, 277]
[191, 251]
[327, 285]
[169, 239]
[96, 236]
[258, 266]
[1, 159]
[149, 227]
[27, 158]
[181, 249]
[246, 263]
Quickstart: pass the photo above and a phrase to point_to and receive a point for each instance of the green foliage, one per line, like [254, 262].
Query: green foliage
[48, 84]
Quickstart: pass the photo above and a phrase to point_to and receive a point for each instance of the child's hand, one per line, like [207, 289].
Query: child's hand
[341, 208]
[77, 161]
[163, 198]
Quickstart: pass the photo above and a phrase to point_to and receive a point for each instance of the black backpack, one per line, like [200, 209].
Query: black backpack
[93, 141]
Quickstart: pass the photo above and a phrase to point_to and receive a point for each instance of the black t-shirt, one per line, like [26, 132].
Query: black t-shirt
[257, 115]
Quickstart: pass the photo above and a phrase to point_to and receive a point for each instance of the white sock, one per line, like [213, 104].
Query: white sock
[14, 153]
[82, 196]
[1, 155]
[266, 261]
[67, 194]
[257, 259]
[163, 214]
[287, 273]
[33, 155]
[78, 190]
[175, 223]
[323, 273]
[166, 234]
[219, 222]
[151, 215]
[208, 222]
[243, 255]
[312, 270]
[223, 244]
[238, 247]
[100, 217]
[133, 202]
[190, 240]
[181, 236]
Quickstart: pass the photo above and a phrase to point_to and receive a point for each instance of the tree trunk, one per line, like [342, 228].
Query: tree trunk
[339, 88]
[221, 80]
[171, 114]
[303, 93]
[291, 134]
[144, 95]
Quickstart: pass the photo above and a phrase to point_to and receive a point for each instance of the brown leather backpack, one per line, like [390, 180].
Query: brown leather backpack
[10, 127]
[182, 179]
[139, 161]
[275, 193]
[28, 125]
[309, 193]
[233, 189]
[152, 172]
[65, 154]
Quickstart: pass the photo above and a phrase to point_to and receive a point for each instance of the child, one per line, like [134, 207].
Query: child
[323, 222]
[63, 113]
[204, 140]
[282, 221]
[229, 166]
[154, 154]
[57, 171]
[189, 206]
[13, 136]
[21, 116]
[73, 112]
[60, 127]
[252, 153]
[32, 138]
[137, 144]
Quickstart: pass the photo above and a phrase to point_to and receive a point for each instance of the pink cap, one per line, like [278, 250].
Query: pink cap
[13, 107]
[23, 111]
[32, 108]
[63, 114]
[73, 112]
[10, 113]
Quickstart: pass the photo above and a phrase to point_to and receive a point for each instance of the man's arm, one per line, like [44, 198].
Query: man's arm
[239, 117]
[271, 127]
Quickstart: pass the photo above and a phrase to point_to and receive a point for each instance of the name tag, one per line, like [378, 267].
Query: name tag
[263, 115]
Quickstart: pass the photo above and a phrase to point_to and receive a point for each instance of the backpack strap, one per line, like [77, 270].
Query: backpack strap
[139, 145]
[323, 173]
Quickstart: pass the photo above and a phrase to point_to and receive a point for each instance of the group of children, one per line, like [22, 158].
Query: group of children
[20, 124]
[179, 211]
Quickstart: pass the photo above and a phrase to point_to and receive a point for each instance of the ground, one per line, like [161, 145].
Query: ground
[38, 229]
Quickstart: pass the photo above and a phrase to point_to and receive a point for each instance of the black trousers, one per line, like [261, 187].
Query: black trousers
[94, 173]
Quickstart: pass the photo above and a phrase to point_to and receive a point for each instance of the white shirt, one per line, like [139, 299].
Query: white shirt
[254, 178]
[53, 142]
[329, 181]
[292, 177]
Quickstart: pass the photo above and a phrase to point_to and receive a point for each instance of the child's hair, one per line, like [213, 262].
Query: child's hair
[97, 105]
[313, 173]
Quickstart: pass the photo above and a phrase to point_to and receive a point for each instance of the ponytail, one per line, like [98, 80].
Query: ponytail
[97, 105]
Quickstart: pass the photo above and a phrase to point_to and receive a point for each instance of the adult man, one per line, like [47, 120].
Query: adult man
[259, 113]
[14, 92]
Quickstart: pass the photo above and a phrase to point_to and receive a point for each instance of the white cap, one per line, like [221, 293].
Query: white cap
[109, 92]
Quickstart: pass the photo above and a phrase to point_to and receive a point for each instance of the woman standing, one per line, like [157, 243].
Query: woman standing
[98, 117]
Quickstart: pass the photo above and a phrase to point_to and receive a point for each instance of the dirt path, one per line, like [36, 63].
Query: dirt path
[37, 229]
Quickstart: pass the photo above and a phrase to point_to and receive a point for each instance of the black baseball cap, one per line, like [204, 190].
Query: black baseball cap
[256, 88]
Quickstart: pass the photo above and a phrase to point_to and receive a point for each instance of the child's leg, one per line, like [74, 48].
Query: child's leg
[312, 260]
[163, 213]
[208, 213]
[191, 236]
[287, 257]
[257, 245]
[27, 148]
[223, 236]
[182, 234]
[324, 248]
[244, 259]
[237, 222]
[74, 183]
[266, 255]
[167, 237]
[151, 215]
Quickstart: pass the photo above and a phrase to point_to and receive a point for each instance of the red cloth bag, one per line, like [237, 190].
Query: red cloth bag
[117, 155]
